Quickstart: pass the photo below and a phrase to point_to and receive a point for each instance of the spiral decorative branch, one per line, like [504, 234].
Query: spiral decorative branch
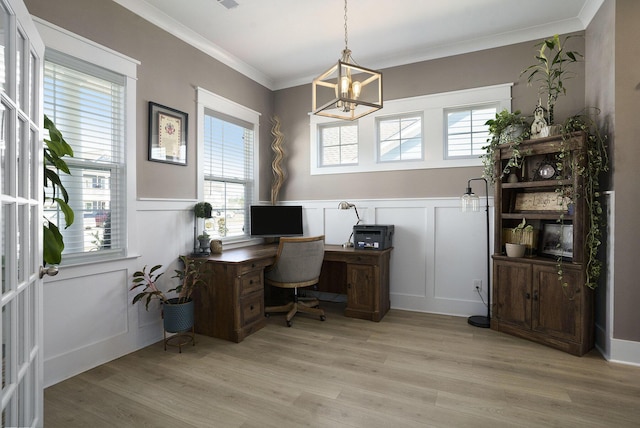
[278, 157]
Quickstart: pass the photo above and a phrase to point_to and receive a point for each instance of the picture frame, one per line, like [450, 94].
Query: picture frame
[557, 240]
[167, 134]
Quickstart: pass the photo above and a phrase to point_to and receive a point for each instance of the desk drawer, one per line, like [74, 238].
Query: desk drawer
[251, 282]
[251, 308]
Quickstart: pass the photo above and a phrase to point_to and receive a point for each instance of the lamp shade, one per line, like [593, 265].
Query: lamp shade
[469, 201]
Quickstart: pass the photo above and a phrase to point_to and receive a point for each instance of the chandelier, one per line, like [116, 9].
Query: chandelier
[346, 90]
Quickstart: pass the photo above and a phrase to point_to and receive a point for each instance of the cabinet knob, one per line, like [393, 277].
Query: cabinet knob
[349, 286]
[251, 281]
[527, 296]
[251, 307]
[535, 296]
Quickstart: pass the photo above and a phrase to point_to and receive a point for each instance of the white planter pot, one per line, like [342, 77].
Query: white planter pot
[515, 250]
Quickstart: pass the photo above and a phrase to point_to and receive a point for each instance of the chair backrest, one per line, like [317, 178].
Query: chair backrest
[298, 262]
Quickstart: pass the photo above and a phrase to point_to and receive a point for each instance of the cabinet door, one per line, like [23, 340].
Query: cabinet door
[361, 287]
[557, 310]
[513, 293]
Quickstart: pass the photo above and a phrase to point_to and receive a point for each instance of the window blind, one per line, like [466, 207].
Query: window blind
[228, 173]
[86, 103]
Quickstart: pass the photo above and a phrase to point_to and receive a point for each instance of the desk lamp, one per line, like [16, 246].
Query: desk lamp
[471, 202]
[347, 206]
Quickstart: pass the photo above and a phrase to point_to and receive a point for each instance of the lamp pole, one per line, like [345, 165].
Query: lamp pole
[481, 320]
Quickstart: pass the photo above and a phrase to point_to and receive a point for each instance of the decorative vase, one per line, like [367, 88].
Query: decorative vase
[216, 246]
[176, 316]
[515, 250]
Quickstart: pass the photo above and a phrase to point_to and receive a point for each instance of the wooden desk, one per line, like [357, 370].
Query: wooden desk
[231, 306]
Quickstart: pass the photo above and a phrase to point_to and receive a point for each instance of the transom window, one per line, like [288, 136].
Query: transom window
[466, 130]
[338, 144]
[400, 138]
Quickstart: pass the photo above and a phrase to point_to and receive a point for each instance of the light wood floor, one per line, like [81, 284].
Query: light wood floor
[410, 370]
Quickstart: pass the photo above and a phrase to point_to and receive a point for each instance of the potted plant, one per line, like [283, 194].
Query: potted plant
[204, 239]
[550, 70]
[177, 312]
[200, 210]
[520, 239]
[506, 128]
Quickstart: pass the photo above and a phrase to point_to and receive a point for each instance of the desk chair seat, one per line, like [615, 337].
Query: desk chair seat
[298, 264]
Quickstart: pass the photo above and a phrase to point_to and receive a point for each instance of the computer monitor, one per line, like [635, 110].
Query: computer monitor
[274, 221]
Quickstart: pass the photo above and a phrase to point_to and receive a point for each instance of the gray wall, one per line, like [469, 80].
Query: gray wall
[488, 67]
[170, 71]
[626, 159]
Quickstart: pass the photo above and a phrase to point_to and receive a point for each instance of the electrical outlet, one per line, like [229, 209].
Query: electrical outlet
[477, 285]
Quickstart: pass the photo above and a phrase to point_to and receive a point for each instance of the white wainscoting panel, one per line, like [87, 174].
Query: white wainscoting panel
[438, 250]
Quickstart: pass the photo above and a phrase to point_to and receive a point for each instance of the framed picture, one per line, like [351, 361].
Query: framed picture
[167, 134]
[557, 240]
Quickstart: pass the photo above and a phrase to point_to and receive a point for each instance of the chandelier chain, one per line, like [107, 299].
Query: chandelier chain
[345, 25]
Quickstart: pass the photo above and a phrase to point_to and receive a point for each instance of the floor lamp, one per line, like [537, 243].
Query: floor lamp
[471, 202]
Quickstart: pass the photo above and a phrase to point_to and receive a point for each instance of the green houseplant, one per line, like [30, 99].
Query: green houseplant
[592, 169]
[506, 127]
[190, 276]
[200, 210]
[520, 239]
[177, 312]
[551, 70]
[55, 149]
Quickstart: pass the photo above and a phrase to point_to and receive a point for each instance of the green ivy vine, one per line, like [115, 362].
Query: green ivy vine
[591, 165]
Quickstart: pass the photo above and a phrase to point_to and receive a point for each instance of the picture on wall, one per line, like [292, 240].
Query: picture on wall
[557, 240]
[167, 134]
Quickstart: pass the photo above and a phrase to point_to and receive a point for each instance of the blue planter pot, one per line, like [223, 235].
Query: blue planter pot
[177, 317]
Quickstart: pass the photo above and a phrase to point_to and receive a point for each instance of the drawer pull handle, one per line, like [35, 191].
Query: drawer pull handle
[253, 265]
[251, 281]
[251, 307]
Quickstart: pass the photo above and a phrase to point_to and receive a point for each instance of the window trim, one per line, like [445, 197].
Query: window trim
[209, 100]
[432, 107]
[71, 44]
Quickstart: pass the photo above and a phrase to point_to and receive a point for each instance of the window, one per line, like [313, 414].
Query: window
[338, 144]
[227, 134]
[409, 133]
[467, 133]
[87, 104]
[399, 138]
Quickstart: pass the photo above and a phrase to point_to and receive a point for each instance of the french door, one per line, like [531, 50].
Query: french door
[21, 53]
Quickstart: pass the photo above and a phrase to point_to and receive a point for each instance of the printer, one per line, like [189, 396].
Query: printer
[372, 236]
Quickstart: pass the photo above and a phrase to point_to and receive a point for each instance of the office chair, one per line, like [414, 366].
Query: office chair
[298, 264]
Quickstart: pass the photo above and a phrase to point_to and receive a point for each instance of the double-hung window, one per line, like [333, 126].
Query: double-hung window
[466, 130]
[87, 104]
[228, 133]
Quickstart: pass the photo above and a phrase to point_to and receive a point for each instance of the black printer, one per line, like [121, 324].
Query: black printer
[372, 236]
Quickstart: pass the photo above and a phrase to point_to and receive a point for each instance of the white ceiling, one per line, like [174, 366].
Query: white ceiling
[284, 43]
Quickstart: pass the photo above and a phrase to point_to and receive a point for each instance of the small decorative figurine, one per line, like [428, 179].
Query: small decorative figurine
[539, 125]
